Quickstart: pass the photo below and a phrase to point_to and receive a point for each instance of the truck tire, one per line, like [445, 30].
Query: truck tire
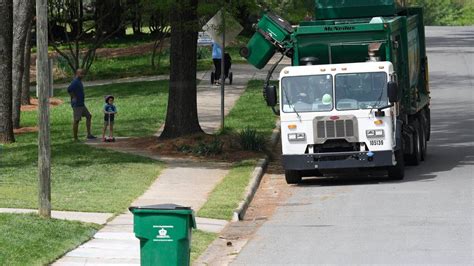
[428, 123]
[423, 142]
[292, 177]
[397, 172]
[415, 157]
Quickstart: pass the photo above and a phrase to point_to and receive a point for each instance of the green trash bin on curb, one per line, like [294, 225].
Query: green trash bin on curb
[165, 233]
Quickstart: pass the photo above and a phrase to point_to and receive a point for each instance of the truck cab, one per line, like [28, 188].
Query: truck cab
[337, 117]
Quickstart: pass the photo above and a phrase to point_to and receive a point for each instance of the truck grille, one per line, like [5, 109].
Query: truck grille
[343, 128]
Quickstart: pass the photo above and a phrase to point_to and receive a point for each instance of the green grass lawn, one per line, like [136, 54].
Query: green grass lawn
[85, 178]
[225, 198]
[109, 181]
[199, 242]
[31, 240]
[250, 111]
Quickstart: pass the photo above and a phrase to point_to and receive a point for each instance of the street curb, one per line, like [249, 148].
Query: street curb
[257, 175]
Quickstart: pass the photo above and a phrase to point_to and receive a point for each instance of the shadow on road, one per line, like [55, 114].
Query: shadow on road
[457, 39]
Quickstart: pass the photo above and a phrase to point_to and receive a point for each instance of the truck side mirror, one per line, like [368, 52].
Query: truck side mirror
[393, 92]
[270, 95]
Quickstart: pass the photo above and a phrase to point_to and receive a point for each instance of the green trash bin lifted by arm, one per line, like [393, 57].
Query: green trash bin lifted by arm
[164, 232]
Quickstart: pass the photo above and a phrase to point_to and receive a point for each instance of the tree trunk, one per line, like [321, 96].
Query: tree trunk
[181, 116]
[6, 41]
[109, 17]
[22, 15]
[25, 84]
[136, 15]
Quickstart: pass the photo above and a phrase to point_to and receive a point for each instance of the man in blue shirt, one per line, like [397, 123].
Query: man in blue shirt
[76, 91]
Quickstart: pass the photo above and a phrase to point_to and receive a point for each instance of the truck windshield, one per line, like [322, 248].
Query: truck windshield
[307, 93]
[361, 91]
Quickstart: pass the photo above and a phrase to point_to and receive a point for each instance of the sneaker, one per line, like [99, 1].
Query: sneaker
[91, 137]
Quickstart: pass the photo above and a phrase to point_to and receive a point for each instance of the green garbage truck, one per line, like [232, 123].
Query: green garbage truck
[356, 96]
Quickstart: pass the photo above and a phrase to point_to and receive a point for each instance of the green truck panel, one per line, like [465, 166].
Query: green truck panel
[336, 9]
[346, 40]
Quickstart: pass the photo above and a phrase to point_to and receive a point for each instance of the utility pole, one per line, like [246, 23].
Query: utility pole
[43, 88]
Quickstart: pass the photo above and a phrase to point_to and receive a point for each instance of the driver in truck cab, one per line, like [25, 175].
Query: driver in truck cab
[322, 87]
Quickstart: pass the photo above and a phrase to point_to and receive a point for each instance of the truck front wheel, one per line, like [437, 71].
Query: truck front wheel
[397, 172]
[292, 177]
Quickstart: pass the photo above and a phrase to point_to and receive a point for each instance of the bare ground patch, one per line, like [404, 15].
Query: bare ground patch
[53, 102]
[24, 130]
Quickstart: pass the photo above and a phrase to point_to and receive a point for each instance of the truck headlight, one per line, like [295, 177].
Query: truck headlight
[296, 136]
[375, 133]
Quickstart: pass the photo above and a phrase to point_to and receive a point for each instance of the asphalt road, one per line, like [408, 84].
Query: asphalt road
[425, 219]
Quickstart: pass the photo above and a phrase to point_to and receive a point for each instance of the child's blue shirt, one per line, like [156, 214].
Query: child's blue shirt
[109, 108]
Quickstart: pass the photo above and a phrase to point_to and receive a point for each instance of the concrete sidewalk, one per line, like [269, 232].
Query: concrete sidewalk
[183, 182]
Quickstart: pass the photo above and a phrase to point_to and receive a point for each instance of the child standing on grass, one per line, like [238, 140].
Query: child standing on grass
[109, 115]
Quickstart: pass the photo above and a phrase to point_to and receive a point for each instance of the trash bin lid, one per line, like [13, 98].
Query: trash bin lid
[168, 207]
[165, 208]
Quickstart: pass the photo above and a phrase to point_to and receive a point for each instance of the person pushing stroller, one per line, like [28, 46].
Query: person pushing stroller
[217, 59]
[109, 116]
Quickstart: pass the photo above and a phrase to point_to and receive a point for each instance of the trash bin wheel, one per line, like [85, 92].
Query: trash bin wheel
[231, 76]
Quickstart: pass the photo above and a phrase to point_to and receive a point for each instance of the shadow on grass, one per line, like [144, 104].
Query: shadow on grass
[129, 90]
[68, 154]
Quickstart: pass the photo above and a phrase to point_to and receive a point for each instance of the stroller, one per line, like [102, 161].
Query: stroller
[227, 73]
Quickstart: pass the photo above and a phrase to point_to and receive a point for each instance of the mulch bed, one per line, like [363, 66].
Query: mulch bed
[183, 147]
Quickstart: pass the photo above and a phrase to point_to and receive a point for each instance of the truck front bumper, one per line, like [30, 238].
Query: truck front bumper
[337, 160]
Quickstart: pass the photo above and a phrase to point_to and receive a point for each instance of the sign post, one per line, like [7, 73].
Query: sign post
[223, 29]
[223, 72]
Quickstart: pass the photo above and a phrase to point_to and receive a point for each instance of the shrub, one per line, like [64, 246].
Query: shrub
[202, 148]
[251, 140]
[445, 12]
[206, 149]
[203, 53]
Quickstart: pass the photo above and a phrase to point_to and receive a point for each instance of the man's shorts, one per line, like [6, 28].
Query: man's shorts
[79, 112]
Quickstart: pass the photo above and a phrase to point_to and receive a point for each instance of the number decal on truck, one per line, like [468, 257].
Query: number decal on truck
[376, 142]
